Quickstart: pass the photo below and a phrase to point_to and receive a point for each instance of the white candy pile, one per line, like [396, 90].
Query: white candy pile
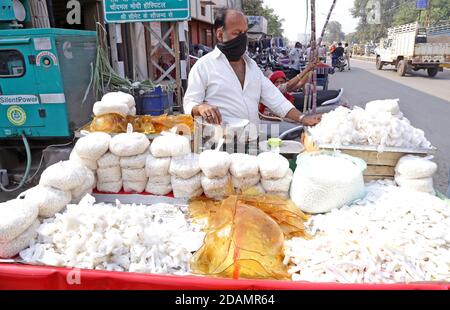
[135, 238]
[380, 124]
[392, 235]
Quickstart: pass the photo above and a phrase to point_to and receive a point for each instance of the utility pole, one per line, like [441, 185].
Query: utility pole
[428, 20]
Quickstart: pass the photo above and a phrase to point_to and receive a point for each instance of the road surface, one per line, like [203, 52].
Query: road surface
[424, 101]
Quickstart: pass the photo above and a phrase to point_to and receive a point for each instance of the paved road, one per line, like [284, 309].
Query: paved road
[424, 101]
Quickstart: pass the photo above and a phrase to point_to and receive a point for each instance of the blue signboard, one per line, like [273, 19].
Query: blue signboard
[421, 4]
[126, 11]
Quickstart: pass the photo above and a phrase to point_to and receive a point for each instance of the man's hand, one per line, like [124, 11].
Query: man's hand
[210, 114]
[312, 120]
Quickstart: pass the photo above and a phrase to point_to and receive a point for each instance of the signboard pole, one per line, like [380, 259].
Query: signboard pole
[176, 43]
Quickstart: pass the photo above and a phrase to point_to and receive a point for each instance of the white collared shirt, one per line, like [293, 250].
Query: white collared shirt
[213, 80]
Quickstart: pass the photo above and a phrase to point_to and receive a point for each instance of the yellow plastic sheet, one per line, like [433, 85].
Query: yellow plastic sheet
[147, 124]
[109, 123]
[241, 242]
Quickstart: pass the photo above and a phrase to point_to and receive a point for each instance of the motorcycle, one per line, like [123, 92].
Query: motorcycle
[339, 63]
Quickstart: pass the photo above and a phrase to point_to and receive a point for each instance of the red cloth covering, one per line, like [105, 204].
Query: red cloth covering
[280, 75]
[26, 277]
[277, 75]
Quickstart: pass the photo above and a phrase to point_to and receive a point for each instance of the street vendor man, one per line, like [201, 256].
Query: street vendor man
[227, 82]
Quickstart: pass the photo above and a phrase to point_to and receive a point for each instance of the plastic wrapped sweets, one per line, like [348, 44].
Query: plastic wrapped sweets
[187, 188]
[157, 166]
[244, 165]
[169, 144]
[216, 188]
[272, 165]
[185, 166]
[214, 164]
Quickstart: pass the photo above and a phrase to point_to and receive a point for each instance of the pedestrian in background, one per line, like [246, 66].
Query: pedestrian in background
[323, 54]
[347, 54]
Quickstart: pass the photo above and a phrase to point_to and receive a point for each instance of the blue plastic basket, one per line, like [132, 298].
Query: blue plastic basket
[156, 102]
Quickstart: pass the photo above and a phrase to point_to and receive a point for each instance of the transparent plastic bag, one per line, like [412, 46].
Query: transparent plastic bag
[109, 123]
[241, 242]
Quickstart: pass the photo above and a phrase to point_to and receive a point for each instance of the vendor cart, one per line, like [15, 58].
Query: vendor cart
[15, 276]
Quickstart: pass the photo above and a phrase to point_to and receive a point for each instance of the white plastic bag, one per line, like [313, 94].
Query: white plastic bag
[108, 160]
[217, 194]
[185, 193]
[93, 145]
[278, 185]
[109, 187]
[88, 163]
[185, 166]
[244, 165]
[64, 175]
[415, 167]
[424, 185]
[129, 144]
[137, 161]
[209, 184]
[326, 180]
[216, 188]
[110, 174]
[169, 144]
[101, 108]
[245, 183]
[160, 189]
[16, 216]
[157, 166]
[48, 199]
[119, 97]
[87, 187]
[134, 186]
[135, 175]
[13, 247]
[187, 188]
[388, 105]
[272, 165]
[162, 180]
[215, 164]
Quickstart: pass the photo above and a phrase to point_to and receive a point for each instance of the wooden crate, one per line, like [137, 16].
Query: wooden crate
[380, 165]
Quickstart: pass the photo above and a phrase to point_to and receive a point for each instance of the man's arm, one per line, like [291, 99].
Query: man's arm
[210, 113]
[194, 99]
[274, 100]
[307, 120]
[196, 90]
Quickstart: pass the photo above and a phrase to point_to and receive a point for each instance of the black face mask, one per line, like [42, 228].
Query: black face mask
[234, 49]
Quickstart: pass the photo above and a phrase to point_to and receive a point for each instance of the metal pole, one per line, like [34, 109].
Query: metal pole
[327, 20]
[316, 55]
[309, 95]
[176, 43]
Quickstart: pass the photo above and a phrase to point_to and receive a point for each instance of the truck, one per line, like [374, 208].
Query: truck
[407, 48]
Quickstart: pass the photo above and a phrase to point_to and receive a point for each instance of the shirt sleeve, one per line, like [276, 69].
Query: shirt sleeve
[272, 98]
[196, 90]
